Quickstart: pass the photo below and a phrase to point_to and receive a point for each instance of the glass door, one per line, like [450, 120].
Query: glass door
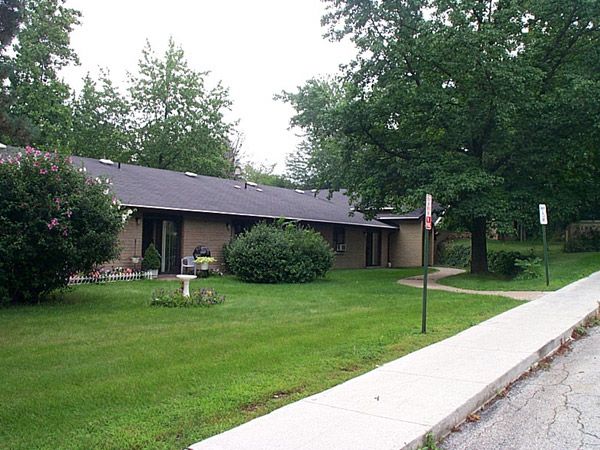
[373, 248]
[170, 247]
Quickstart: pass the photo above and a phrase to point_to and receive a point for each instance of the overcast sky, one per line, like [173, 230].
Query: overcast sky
[257, 48]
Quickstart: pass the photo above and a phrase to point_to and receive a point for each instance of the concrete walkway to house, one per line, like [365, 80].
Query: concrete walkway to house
[443, 272]
[429, 391]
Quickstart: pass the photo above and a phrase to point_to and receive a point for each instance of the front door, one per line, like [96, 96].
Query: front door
[170, 248]
[373, 248]
[164, 233]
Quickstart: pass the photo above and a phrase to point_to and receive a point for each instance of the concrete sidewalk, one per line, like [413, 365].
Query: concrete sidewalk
[429, 391]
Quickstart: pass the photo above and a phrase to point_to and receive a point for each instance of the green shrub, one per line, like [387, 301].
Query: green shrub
[279, 254]
[529, 268]
[151, 259]
[588, 241]
[455, 255]
[54, 222]
[204, 297]
[502, 262]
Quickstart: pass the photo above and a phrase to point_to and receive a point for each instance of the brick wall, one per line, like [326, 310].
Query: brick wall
[210, 231]
[130, 243]
[407, 245]
[215, 231]
[355, 255]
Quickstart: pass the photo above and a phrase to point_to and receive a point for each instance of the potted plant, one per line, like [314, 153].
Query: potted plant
[204, 261]
[151, 260]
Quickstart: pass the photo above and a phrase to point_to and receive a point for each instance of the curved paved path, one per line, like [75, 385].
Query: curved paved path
[443, 272]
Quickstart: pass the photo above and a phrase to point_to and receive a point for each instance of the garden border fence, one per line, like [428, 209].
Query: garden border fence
[110, 277]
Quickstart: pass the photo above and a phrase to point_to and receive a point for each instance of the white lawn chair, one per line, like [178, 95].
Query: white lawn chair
[187, 262]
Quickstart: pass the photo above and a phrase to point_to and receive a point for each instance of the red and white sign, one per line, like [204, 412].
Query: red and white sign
[543, 214]
[428, 220]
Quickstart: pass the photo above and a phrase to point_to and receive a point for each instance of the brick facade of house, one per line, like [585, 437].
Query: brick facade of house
[401, 248]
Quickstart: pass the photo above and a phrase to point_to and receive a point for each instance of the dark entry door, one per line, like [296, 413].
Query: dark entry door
[165, 234]
[373, 248]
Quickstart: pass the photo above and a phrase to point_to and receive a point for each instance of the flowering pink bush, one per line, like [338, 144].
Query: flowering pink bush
[53, 222]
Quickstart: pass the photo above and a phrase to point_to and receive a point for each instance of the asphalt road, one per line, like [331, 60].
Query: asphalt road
[555, 408]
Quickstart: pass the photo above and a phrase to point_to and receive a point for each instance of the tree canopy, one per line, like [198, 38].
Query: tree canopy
[262, 173]
[167, 118]
[491, 106]
[102, 125]
[178, 121]
[10, 18]
[42, 49]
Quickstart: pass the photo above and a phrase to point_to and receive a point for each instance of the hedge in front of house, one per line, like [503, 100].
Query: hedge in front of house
[277, 253]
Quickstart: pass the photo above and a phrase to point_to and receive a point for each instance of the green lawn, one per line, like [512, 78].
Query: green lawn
[564, 268]
[99, 368]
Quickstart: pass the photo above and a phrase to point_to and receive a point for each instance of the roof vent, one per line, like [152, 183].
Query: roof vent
[251, 183]
[237, 186]
[299, 191]
[108, 162]
[191, 174]
[259, 190]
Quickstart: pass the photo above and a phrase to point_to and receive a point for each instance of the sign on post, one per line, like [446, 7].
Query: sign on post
[428, 226]
[428, 203]
[544, 222]
[543, 214]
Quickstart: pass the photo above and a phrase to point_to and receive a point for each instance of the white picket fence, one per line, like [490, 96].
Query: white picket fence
[108, 278]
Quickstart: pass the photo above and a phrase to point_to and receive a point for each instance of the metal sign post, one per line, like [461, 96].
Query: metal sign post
[544, 222]
[428, 222]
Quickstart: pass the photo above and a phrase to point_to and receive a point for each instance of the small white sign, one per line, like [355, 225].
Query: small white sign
[428, 203]
[543, 214]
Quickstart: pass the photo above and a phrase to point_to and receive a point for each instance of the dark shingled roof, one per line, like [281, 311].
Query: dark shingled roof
[413, 215]
[144, 187]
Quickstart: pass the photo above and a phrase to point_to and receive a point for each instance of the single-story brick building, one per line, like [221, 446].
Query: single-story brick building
[180, 211]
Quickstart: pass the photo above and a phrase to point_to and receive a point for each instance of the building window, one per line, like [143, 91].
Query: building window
[239, 226]
[339, 239]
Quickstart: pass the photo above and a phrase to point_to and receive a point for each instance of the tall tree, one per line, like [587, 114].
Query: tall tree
[101, 121]
[10, 18]
[179, 121]
[489, 105]
[41, 51]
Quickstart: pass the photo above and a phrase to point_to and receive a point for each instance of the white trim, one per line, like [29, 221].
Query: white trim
[264, 216]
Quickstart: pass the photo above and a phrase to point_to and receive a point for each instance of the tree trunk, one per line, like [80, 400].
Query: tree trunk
[479, 263]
